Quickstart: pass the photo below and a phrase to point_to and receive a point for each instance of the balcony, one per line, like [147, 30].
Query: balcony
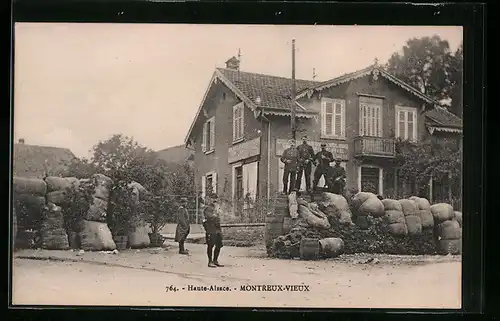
[374, 147]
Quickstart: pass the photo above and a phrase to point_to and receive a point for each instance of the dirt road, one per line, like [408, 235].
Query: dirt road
[141, 278]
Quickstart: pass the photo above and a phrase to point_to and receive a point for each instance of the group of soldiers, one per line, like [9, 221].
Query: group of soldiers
[298, 160]
[211, 224]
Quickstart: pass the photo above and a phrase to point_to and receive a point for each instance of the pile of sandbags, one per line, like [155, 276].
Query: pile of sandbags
[424, 211]
[458, 217]
[394, 217]
[53, 231]
[412, 219]
[448, 229]
[293, 205]
[336, 205]
[58, 188]
[28, 204]
[95, 234]
[365, 204]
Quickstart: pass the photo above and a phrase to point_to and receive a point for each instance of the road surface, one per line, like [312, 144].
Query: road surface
[139, 279]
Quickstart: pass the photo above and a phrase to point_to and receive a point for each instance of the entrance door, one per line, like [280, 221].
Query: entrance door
[370, 180]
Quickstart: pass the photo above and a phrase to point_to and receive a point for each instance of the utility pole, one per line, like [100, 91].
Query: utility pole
[314, 74]
[292, 116]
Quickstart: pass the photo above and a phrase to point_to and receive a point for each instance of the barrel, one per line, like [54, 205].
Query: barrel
[121, 242]
[74, 240]
[288, 223]
[309, 249]
[274, 228]
[331, 247]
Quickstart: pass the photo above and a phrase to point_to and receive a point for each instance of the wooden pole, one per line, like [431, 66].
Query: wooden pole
[292, 122]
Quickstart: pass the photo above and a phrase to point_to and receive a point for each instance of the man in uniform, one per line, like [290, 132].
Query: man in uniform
[323, 159]
[183, 227]
[213, 232]
[305, 159]
[337, 178]
[289, 158]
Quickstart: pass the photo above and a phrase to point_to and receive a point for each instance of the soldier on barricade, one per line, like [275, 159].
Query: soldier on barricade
[323, 159]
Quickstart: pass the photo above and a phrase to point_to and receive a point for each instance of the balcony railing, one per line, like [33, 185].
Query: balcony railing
[374, 146]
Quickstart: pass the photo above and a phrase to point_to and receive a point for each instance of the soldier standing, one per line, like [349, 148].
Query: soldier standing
[305, 159]
[323, 159]
[183, 227]
[213, 232]
[289, 158]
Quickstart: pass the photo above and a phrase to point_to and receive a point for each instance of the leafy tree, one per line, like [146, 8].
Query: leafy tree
[429, 65]
[456, 82]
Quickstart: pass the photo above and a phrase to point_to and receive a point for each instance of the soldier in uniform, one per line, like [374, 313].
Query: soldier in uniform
[305, 159]
[289, 158]
[213, 232]
[183, 227]
[337, 178]
[323, 159]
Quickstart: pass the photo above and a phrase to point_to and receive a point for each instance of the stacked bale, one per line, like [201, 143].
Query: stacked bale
[53, 231]
[394, 218]
[138, 235]
[95, 234]
[334, 205]
[424, 211]
[412, 219]
[365, 205]
[458, 217]
[29, 202]
[312, 215]
[448, 229]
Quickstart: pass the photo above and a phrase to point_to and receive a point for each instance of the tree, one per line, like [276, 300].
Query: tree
[429, 65]
[456, 82]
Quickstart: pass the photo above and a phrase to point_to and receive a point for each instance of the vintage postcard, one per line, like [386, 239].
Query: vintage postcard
[237, 165]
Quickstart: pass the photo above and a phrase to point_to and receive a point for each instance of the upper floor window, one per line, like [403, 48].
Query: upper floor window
[238, 122]
[406, 123]
[370, 120]
[209, 135]
[333, 118]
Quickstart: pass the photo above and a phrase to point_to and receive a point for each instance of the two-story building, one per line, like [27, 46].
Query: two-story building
[243, 125]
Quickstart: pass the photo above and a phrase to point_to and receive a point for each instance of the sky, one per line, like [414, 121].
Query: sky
[76, 84]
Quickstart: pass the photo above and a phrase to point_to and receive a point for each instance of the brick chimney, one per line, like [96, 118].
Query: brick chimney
[21, 140]
[233, 63]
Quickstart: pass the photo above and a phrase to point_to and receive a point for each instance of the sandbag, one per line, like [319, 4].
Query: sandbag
[33, 186]
[97, 210]
[345, 217]
[54, 238]
[414, 224]
[422, 203]
[96, 236]
[458, 217]
[293, 205]
[335, 200]
[53, 217]
[30, 200]
[393, 216]
[426, 218]
[450, 246]
[330, 211]
[442, 212]
[409, 207]
[360, 198]
[313, 220]
[449, 230]
[138, 237]
[102, 185]
[398, 229]
[391, 205]
[372, 207]
[59, 183]
[57, 197]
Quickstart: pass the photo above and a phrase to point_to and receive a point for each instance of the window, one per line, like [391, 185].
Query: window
[406, 123]
[370, 122]
[333, 118]
[238, 122]
[208, 184]
[370, 179]
[209, 135]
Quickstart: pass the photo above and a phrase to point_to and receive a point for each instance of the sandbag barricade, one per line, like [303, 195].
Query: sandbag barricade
[424, 212]
[336, 205]
[412, 219]
[30, 186]
[367, 204]
[449, 237]
[53, 231]
[312, 215]
[96, 236]
[458, 217]
[442, 212]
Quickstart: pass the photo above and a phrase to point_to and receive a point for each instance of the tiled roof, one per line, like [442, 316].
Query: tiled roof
[274, 92]
[440, 116]
[32, 160]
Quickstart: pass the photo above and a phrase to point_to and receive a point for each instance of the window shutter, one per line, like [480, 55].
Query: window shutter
[203, 187]
[212, 134]
[380, 120]
[361, 120]
[323, 118]
[342, 128]
[337, 110]
[204, 143]
[415, 126]
[214, 183]
[235, 122]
